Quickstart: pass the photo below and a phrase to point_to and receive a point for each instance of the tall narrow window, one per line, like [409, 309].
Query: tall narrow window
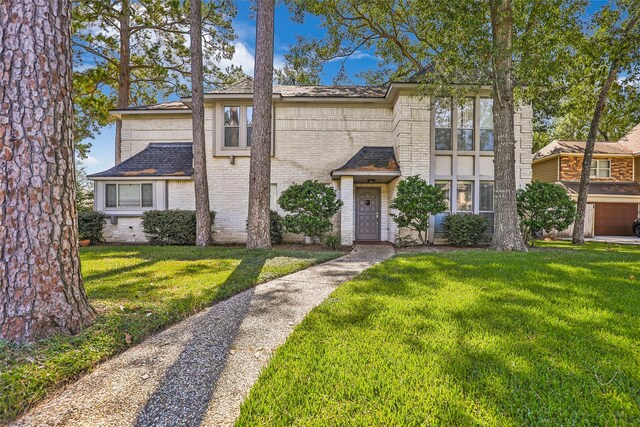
[111, 195]
[231, 126]
[486, 196]
[249, 125]
[442, 109]
[465, 125]
[486, 124]
[464, 197]
[445, 186]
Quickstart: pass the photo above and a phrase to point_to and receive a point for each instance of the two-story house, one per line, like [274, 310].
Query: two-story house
[614, 190]
[360, 139]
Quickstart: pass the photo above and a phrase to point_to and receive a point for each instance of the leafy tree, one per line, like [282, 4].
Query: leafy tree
[41, 287]
[200, 180]
[416, 201]
[610, 48]
[469, 43]
[311, 205]
[134, 51]
[544, 206]
[258, 235]
[84, 190]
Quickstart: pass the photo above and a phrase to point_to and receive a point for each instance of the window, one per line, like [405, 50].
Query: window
[465, 125]
[442, 121]
[600, 168]
[231, 126]
[129, 195]
[445, 186]
[249, 125]
[486, 124]
[465, 196]
[486, 196]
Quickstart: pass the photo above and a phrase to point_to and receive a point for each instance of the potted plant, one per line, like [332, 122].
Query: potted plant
[90, 225]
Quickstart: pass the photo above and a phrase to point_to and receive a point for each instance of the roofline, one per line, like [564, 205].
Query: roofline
[141, 178]
[128, 111]
[554, 155]
[351, 172]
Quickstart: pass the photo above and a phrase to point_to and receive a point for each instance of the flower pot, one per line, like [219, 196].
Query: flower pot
[85, 242]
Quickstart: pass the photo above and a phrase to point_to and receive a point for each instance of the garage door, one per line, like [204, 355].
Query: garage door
[615, 219]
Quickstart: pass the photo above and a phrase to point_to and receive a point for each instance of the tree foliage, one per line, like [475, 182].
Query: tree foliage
[156, 63]
[310, 207]
[544, 206]
[416, 201]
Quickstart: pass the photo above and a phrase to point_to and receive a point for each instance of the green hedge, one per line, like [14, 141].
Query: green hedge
[277, 228]
[466, 229]
[90, 226]
[172, 227]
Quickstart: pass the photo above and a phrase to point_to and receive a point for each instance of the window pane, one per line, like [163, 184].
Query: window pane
[439, 222]
[111, 196]
[603, 173]
[465, 196]
[445, 186]
[249, 133]
[486, 139]
[465, 125]
[249, 125]
[443, 139]
[147, 195]
[231, 116]
[442, 108]
[486, 196]
[231, 137]
[486, 113]
[128, 195]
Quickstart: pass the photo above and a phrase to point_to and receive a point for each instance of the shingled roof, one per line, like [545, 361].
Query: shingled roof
[245, 86]
[161, 159]
[577, 147]
[632, 139]
[605, 188]
[372, 159]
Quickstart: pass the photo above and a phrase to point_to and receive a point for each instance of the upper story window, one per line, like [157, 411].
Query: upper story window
[238, 122]
[129, 195]
[486, 124]
[465, 124]
[600, 168]
[442, 121]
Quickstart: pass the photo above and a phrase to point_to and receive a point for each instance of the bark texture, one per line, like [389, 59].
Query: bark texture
[506, 235]
[124, 72]
[258, 235]
[41, 290]
[203, 218]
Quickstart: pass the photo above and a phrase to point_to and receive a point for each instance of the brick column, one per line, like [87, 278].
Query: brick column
[346, 212]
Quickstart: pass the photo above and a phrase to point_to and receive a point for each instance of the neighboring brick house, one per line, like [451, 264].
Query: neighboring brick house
[614, 192]
[361, 140]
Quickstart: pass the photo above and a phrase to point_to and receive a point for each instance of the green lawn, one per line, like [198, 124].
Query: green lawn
[551, 337]
[136, 290]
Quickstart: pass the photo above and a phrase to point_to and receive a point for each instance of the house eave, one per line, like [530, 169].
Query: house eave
[141, 178]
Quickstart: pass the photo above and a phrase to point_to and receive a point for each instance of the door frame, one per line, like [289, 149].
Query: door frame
[378, 190]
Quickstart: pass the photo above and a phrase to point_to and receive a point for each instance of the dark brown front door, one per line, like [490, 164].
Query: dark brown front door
[368, 214]
[615, 219]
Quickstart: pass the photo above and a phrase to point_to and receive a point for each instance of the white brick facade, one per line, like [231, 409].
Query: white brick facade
[310, 140]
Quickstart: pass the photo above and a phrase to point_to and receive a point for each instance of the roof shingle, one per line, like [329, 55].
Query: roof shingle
[577, 147]
[372, 159]
[600, 188]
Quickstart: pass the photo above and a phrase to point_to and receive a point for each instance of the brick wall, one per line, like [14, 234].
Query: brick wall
[621, 168]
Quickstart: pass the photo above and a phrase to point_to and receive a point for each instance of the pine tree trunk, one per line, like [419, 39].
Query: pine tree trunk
[41, 290]
[124, 73]
[583, 192]
[506, 235]
[258, 235]
[203, 218]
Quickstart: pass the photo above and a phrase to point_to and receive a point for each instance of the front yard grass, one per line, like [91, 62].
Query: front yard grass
[551, 337]
[136, 290]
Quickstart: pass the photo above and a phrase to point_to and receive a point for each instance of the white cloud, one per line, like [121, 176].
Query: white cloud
[241, 57]
[90, 161]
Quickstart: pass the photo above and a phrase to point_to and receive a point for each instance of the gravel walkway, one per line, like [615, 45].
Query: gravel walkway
[198, 372]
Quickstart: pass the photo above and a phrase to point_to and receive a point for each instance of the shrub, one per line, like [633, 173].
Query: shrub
[311, 205]
[90, 226]
[172, 227]
[544, 206]
[331, 241]
[416, 201]
[466, 229]
[276, 228]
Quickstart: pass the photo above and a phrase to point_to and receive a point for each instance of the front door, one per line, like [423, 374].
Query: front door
[367, 214]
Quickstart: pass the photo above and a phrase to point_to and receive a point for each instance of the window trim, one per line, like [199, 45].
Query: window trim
[596, 168]
[140, 206]
[242, 150]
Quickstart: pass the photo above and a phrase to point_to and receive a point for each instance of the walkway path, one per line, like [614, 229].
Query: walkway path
[198, 372]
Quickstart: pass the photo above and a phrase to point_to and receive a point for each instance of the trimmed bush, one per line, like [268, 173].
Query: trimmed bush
[90, 226]
[276, 228]
[311, 205]
[173, 227]
[466, 229]
[331, 241]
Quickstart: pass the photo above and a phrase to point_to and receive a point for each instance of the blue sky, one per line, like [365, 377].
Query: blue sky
[101, 155]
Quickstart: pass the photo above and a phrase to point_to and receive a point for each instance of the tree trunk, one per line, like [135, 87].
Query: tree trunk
[203, 218]
[506, 235]
[258, 235]
[41, 290]
[583, 192]
[124, 73]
